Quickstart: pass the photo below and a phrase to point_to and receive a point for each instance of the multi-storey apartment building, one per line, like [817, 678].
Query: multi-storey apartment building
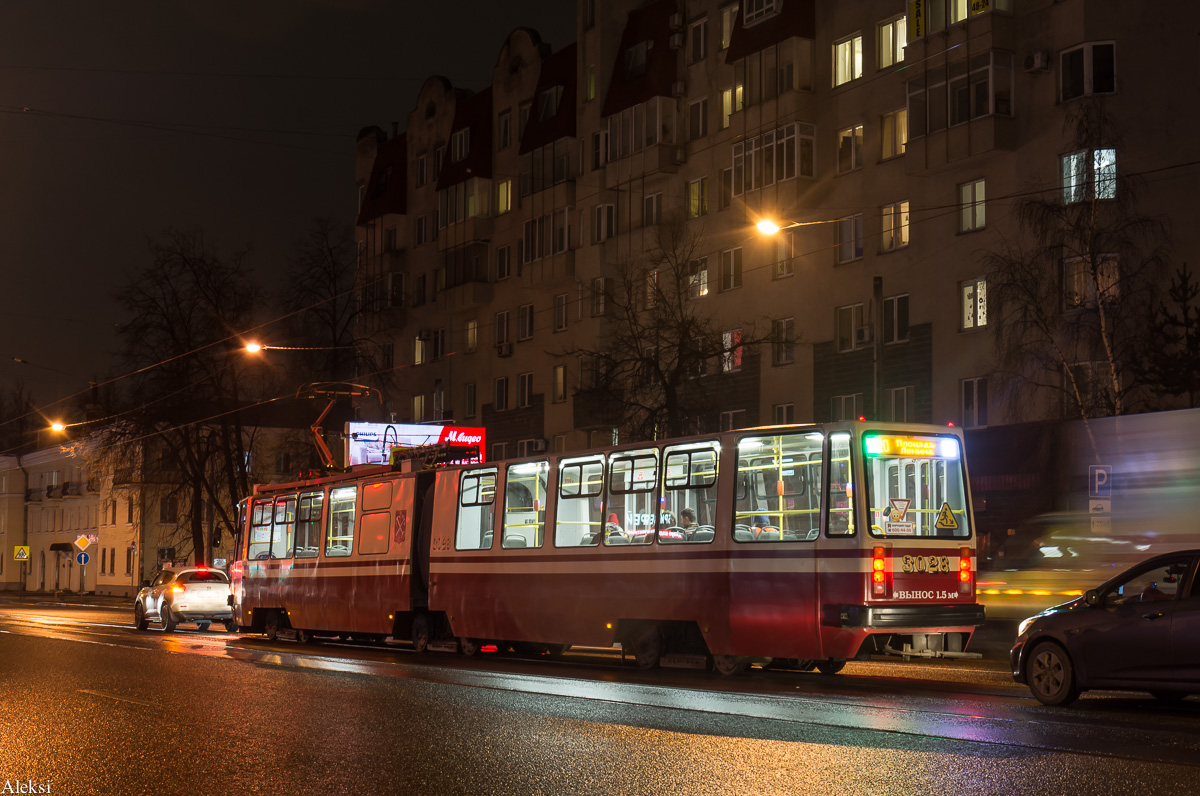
[891, 141]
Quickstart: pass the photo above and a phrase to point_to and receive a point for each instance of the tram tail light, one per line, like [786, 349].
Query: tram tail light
[964, 570]
[879, 584]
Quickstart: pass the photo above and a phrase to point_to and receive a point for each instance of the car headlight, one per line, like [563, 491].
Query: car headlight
[1025, 623]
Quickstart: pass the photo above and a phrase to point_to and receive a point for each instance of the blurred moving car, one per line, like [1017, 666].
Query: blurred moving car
[1139, 631]
[196, 594]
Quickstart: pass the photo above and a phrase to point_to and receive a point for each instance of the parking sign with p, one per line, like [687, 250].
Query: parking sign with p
[1100, 481]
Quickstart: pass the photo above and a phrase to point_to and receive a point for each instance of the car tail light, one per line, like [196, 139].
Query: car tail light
[879, 584]
[964, 570]
[177, 589]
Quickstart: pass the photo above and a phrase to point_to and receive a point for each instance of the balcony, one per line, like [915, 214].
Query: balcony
[35, 495]
[597, 408]
[554, 268]
[54, 492]
[72, 489]
[465, 296]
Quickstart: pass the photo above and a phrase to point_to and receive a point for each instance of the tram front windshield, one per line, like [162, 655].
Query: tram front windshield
[916, 486]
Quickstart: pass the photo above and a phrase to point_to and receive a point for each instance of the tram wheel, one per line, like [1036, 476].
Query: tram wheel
[271, 626]
[647, 648]
[469, 646]
[303, 636]
[420, 633]
[830, 666]
[727, 665]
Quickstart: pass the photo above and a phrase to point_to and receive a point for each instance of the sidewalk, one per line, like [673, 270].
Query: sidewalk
[66, 598]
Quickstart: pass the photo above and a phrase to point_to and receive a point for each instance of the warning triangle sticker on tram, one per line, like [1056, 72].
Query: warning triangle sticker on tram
[945, 519]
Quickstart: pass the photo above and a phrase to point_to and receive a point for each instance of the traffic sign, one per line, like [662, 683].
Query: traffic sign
[946, 520]
[82, 542]
[1100, 481]
[20, 552]
[82, 558]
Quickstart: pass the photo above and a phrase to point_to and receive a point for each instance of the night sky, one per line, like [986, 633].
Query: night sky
[119, 121]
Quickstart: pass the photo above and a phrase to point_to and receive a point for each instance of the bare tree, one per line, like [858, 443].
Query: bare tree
[661, 361]
[1070, 298]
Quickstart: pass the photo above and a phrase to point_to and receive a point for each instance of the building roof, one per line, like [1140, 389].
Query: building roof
[475, 114]
[558, 70]
[794, 18]
[387, 189]
[651, 26]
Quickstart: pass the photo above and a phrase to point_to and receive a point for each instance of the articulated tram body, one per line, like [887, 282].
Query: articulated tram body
[803, 542]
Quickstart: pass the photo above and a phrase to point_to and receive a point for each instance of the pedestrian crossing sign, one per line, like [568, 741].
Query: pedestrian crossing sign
[20, 552]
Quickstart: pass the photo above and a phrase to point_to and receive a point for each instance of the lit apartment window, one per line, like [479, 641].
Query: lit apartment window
[472, 335]
[560, 312]
[1088, 69]
[500, 394]
[1089, 174]
[974, 303]
[731, 102]
[524, 321]
[731, 269]
[893, 35]
[418, 408]
[420, 349]
[850, 149]
[524, 390]
[895, 319]
[893, 130]
[698, 119]
[971, 206]
[698, 197]
[783, 414]
[504, 201]
[560, 383]
[851, 328]
[699, 40]
[974, 403]
[728, 17]
[698, 278]
[847, 60]
[894, 226]
[847, 407]
[783, 341]
[850, 238]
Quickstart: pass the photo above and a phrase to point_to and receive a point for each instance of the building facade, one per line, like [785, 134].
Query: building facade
[892, 142]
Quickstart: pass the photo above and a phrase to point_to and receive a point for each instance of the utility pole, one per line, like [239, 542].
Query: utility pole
[877, 343]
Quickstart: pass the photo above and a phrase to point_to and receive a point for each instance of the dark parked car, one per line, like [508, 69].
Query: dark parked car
[1139, 631]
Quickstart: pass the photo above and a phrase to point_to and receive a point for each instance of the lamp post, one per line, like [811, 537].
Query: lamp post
[768, 226]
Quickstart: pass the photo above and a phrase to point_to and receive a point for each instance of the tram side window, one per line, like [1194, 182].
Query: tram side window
[688, 509]
[579, 511]
[525, 504]
[778, 488]
[340, 535]
[632, 509]
[260, 530]
[284, 527]
[841, 487]
[308, 525]
[476, 510]
[373, 530]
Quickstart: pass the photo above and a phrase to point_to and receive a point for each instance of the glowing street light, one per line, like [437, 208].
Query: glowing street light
[253, 348]
[57, 426]
[767, 227]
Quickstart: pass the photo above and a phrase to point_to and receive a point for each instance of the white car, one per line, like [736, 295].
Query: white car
[196, 594]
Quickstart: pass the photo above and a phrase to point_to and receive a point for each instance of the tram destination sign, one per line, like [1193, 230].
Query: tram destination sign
[911, 446]
[372, 443]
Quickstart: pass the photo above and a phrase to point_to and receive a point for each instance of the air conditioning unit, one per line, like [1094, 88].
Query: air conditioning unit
[676, 41]
[678, 156]
[862, 335]
[504, 350]
[678, 88]
[676, 21]
[539, 446]
[1038, 61]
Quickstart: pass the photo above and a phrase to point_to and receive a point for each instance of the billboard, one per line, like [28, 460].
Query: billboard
[371, 443]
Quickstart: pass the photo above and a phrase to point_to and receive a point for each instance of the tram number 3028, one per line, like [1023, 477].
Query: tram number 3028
[926, 564]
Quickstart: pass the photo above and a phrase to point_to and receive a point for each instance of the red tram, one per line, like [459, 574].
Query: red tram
[814, 544]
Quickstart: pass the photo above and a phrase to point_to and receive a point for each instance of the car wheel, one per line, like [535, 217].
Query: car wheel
[203, 626]
[231, 626]
[830, 666]
[168, 621]
[1050, 675]
[271, 626]
[139, 617]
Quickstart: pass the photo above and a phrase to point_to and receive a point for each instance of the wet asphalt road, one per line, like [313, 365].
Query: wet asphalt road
[89, 706]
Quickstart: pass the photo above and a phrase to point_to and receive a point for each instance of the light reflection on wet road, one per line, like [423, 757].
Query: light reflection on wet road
[883, 723]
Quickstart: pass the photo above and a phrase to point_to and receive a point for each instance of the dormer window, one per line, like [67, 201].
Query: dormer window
[758, 10]
[635, 59]
[460, 144]
[548, 102]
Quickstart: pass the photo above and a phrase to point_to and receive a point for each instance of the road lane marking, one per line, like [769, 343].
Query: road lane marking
[118, 698]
